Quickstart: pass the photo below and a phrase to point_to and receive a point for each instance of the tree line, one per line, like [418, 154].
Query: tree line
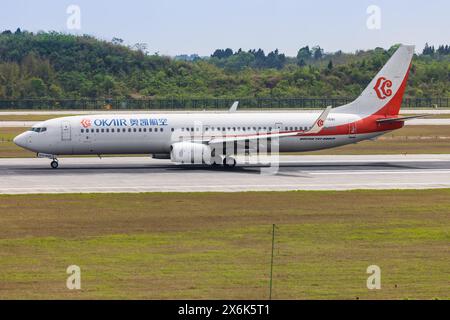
[58, 65]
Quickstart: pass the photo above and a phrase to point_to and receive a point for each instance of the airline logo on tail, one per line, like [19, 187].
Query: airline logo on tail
[382, 88]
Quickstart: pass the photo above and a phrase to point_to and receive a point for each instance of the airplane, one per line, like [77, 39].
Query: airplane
[212, 138]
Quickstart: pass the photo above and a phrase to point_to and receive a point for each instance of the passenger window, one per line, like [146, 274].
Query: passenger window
[140, 130]
[149, 129]
[97, 130]
[103, 130]
[82, 130]
[172, 129]
[145, 129]
[134, 130]
[107, 130]
[162, 129]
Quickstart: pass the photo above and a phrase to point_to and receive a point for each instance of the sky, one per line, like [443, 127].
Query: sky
[172, 27]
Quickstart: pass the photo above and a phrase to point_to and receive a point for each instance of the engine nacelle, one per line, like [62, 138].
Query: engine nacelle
[190, 153]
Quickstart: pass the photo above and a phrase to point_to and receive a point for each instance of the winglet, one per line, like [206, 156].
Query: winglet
[320, 122]
[234, 106]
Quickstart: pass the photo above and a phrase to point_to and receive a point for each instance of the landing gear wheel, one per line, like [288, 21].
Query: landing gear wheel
[54, 164]
[229, 162]
[216, 161]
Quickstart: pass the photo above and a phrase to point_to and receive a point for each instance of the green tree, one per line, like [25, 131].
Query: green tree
[52, 64]
[55, 91]
[330, 65]
[304, 54]
[35, 87]
[317, 53]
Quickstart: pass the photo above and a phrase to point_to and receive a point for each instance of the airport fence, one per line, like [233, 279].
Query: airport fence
[200, 104]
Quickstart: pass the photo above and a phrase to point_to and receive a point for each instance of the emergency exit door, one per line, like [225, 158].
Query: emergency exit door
[66, 134]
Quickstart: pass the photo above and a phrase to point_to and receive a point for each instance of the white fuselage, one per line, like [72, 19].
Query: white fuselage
[155, 133]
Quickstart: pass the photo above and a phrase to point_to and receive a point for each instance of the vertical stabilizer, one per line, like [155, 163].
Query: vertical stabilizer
[384, 94]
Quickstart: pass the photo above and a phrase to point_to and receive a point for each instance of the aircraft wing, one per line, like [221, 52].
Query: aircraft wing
[316, 128]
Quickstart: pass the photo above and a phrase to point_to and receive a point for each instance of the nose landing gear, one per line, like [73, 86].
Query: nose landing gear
[54, 163]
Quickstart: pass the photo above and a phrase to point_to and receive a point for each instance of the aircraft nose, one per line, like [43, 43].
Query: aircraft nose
[20, 140]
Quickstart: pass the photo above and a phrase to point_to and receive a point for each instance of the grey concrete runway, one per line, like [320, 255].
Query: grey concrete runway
[142, 174]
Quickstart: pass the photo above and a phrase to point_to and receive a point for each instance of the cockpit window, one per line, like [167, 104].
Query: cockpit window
[38, 130]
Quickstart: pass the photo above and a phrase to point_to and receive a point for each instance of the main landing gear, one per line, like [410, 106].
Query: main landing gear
[54, 163]
[229, 162]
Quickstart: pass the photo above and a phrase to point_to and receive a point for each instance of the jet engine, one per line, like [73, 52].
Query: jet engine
[190, 153]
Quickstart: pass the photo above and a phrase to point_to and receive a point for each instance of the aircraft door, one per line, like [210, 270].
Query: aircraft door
[66, 132]
[352, 130]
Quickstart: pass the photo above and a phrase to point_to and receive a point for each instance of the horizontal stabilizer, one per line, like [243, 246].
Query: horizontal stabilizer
[398, 119]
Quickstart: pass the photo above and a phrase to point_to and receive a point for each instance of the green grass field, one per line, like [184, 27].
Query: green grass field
[31, 117]
[410, 139]
[218, 245]
[7, 147]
